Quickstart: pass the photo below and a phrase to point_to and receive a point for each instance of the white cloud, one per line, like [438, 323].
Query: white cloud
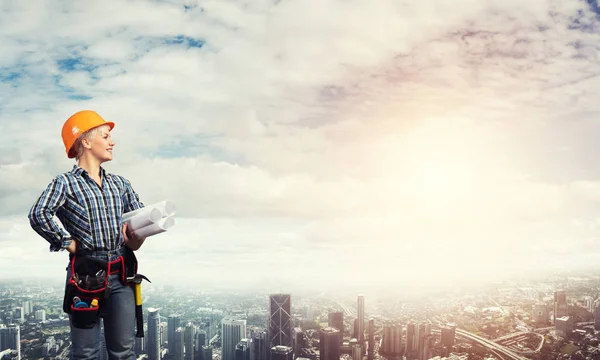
[363, 139]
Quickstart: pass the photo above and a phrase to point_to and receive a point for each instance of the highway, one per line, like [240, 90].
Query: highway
[499, 349]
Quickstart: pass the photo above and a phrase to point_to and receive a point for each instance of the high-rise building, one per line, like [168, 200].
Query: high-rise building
[371, 340]
[10, 338]
[280, 320]
[336, 320]
[540, 313]
[411, 336]
[423, 334]
[392, 341]
[448, 336]
[200, 341]
[282, 353]
[259, 345]
[179, 346]
[560, 304]
[597, 314]
[243, 349]
[361, 319]
[207, 352]
[233, 330]
[564, 327]
[329, 346]
[300, 342]
[173, 323]
[19, 314]
[356, 352]
[27, 307]
[154, 337]
[428, 345]
[189, 339]
[40, 315]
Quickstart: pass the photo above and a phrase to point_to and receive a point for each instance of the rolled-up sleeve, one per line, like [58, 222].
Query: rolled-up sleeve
[131, 199]
[41, 215]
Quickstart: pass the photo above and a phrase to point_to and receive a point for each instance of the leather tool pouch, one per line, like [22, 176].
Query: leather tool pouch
[131, 265]
[88, 282]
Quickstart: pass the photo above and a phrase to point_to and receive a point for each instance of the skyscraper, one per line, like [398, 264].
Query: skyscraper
[243, 349]
[259, 345]
[280, 320]
[179, 346]
[336, 320]
[233, 330]
[371, 339]
[173, 323]
[447, 337]
[153, 344]
[10, 338]
[411, 335]
[560, 304]
[329, 347]
[282, 353]
[392, 341]
[189, 338]
[361, 319]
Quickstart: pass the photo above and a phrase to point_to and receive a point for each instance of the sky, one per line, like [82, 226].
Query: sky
[310, 143]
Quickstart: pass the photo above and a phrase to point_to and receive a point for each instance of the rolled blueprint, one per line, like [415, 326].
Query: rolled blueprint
[147, 217]
[161, 226]
[166, 207]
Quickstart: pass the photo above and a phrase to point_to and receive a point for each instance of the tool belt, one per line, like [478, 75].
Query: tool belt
[87, 293]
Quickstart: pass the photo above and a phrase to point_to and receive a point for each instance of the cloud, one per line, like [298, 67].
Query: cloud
[297, 139]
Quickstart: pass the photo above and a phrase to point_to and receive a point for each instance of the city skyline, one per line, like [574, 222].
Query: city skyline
[515, 321]
[369, 139]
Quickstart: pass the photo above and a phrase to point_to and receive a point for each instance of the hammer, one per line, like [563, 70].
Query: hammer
[139, 314]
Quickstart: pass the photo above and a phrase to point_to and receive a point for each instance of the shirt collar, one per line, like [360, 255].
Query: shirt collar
[77, 170]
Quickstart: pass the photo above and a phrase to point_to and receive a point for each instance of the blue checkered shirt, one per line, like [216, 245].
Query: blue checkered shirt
[89, 213]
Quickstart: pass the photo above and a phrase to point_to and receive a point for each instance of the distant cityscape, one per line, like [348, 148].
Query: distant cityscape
[554, 318]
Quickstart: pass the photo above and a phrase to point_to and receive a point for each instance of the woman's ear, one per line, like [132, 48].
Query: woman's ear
[86, 143]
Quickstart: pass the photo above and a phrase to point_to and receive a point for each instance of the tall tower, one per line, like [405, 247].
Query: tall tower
[336, 320]
[173, 323]
[233, 330]
[560, 304]
[282, 353]
[10, 338]
[179, 345]
[411, 335]
[361, 319]
[329, 347]
[153, 345]
[259, 345]
[280, 320]
[189, 338]
[371, 339]
[447, 337]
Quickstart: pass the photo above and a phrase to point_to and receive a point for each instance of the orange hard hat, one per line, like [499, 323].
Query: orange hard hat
[79, 123]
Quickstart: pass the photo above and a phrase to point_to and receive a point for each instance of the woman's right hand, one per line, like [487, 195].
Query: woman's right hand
[72, 248]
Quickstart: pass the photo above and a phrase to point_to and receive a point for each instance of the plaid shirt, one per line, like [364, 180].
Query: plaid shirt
[89, 213]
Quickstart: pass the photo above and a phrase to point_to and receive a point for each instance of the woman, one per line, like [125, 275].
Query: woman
[90, 202]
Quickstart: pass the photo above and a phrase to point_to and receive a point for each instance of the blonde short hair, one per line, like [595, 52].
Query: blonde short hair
[90, 134]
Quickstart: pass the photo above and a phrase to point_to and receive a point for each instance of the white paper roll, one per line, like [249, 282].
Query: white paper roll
[144, 218]
[166, 207]
[159, 227]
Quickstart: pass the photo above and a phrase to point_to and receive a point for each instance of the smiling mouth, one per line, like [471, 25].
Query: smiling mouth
[109, 150]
